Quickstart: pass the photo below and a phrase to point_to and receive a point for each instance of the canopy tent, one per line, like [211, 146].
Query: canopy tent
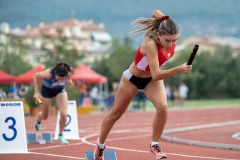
[27, 77]
[6, 78]
[86, 74]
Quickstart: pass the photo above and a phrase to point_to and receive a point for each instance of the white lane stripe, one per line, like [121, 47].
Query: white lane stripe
[213, 158]
[200, 143]
[56, 146]
[204, 126]
[236, 136]
[56, 155]
[84, 140]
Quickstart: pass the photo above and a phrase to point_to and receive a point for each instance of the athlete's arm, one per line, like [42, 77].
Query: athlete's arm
[46, 74]
[69, 81]
[150, 49]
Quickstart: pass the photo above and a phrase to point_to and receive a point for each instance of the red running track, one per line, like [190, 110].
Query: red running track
[131, 136]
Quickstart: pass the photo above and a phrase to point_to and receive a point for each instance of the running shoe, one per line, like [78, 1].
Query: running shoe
[155, 149]
[62, 140]
[37, 126]
[98, 153]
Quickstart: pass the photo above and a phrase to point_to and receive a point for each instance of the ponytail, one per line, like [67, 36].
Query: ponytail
[152, 26]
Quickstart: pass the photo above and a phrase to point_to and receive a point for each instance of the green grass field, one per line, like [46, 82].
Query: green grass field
[215, 103]
[196, 103]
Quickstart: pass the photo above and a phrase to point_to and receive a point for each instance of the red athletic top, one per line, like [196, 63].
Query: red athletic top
[141, 61]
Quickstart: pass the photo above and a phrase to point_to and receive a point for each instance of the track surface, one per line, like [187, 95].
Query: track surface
[131, 136]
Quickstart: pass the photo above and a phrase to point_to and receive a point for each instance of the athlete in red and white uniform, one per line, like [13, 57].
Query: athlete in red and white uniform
[144, 73]
[163, 55]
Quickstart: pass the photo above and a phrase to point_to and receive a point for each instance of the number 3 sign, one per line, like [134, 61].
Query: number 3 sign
[12, 128]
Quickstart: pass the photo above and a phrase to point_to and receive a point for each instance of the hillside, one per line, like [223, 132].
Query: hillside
[193, 16]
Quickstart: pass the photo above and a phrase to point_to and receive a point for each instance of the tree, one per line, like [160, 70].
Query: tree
[13, 56]
[121, 56]
[63, 51]
[214, 75]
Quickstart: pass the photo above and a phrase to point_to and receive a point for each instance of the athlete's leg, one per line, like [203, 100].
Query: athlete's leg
[61, 103]
[125, 93]
[156, 93]
[43, 114]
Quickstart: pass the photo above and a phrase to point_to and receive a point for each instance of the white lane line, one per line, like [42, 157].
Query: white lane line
[236, 136]
[200, 143]
[204, 126]
[84, 140]
[56, 146]
[56, 155]
[213, 158]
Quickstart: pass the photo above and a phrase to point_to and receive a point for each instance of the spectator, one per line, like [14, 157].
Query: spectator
[169, 93]
[12, 93]
[183, 93]
[22, 90]
[94, 95]
[175, 96]
[140, 100]
[115, 85]
[110, 99]
[82, 89]
[2, 94]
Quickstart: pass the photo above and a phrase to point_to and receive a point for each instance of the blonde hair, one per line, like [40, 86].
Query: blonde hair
[153, 26]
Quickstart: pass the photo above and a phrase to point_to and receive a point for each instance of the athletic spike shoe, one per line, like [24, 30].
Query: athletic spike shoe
[62, 140]
[37, 126]
[155, 149]
[98, 153]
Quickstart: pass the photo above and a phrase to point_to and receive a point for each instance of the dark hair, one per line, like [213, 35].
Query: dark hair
[62, 69]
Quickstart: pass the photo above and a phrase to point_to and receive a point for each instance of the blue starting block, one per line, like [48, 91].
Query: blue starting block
[108, 155]
[32, 138]
[47, 137]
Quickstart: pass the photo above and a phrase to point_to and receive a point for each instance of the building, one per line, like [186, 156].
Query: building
[209, 43]
[85, 36]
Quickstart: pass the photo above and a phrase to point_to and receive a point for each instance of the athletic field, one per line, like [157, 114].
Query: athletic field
[190, 134]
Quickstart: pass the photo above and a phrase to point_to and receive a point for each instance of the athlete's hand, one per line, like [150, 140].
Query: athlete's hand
[38, 97]
[186, 68]
[71, 83]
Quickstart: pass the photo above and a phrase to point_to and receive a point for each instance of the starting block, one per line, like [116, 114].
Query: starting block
[108, 155]
[47, 137]
[32, 138]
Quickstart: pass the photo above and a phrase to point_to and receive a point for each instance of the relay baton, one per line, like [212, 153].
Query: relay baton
[192, 56]
[38, 101]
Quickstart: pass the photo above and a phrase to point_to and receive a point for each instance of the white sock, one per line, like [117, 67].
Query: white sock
[101, 146]
[154, 143]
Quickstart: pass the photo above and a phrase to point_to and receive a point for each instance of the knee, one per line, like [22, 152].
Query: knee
[115, 116]
[162, 108]
[44, 116]
[63, 116]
